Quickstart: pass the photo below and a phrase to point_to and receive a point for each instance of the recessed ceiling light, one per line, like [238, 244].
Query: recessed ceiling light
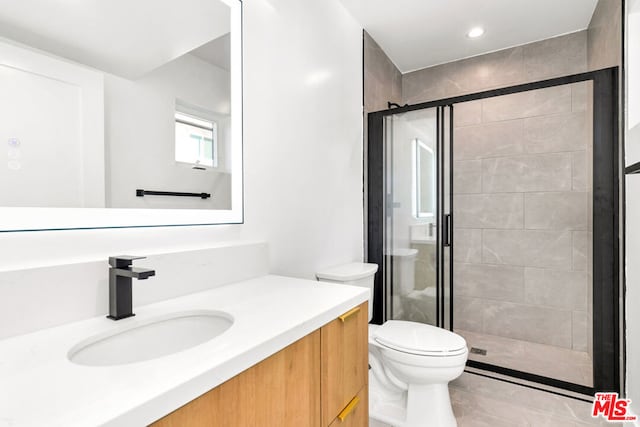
[475, 32]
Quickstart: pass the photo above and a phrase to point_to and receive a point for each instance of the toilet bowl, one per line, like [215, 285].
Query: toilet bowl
[411, 363]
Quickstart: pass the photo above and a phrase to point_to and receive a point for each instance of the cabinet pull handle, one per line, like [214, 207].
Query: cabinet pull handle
[349, 313]
[349, 408]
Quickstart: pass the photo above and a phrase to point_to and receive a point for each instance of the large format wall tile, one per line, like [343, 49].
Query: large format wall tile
[581, 331]
[498, 282]
[467, 176]
[488, 140]
[468, 313]
[547, 58]
[556, 288]
[489, 210]
[557, 56]
[429, 84]
[538, 324]
[383, 81]
[579, 171]
[581, 250]
[557, 133]
[540, 102]
[467, 113]
[467, 245]
[518, 158]
[531, 248]
[540, 172]
[555, 211]
[495, 69]
[581, 95]
[605, 35]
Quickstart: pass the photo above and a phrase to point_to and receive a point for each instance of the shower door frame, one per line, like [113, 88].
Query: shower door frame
[606, 224]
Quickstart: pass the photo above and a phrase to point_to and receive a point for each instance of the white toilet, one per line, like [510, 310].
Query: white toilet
[411, 363]
[404, 276]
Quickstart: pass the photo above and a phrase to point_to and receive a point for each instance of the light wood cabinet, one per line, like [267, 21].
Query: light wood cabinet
[356, 413]
[344, 361]
[311, 383]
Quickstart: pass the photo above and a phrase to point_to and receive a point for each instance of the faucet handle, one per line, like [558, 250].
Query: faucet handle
[123, 261]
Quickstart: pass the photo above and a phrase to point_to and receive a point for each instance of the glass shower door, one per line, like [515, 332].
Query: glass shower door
[524, 223]
[494, 215]
[414, 256]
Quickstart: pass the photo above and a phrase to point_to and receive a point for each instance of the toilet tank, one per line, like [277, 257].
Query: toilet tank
[354, 274]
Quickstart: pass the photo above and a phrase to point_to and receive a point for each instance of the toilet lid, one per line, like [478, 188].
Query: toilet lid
[418, 338]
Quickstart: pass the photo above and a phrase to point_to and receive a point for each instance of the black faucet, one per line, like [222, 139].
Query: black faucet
[121, 274]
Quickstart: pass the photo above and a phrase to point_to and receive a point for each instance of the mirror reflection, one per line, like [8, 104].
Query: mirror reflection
[106, 105]
[425, 179]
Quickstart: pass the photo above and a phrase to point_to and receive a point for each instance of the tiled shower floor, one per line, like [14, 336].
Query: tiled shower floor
[549, 361]
[484, 402]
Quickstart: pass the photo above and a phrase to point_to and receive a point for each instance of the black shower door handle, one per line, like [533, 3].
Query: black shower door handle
[446, 230]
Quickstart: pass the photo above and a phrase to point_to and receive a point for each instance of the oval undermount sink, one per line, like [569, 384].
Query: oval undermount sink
[151, 338]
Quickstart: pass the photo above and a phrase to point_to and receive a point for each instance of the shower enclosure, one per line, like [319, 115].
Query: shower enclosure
[494, 215]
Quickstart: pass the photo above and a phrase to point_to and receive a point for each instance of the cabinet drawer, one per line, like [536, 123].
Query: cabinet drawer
[280, 391]
[344, 361]
[356, 413]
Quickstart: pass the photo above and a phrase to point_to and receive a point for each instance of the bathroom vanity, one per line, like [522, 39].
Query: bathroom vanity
[295, 354]
[320, 380]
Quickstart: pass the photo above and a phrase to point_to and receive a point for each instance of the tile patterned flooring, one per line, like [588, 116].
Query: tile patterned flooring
[484, 402]
[550, 361]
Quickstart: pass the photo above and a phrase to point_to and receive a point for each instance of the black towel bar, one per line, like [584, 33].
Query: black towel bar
[634, 168]
[142, 193]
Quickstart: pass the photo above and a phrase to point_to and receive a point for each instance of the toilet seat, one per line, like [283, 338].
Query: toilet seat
[419, 339]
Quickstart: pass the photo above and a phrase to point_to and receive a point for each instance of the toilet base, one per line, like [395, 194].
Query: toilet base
[388, 408]
[432, 401]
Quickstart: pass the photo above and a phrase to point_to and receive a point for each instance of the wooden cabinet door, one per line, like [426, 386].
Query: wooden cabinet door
[344, 361]
[283, 390]
[356, 413]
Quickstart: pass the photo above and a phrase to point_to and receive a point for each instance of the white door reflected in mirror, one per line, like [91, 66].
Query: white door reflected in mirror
[94, 110]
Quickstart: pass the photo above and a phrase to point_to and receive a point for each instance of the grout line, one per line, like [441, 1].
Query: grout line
[483, 123]
[522, 154]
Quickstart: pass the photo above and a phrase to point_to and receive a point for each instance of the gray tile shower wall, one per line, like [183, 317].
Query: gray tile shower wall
[522, 216]
[605, 35]
[555, 57]
[383, 81]
[521, 191]
[521, 179]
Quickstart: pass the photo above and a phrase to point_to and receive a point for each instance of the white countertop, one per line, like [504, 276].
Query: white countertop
[39, 386]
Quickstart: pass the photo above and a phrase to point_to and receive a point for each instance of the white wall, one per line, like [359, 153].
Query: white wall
[140, 135]
[303, 152]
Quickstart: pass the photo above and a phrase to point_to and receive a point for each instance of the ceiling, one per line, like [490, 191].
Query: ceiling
[123, 37]
[216, 52]
[417, 34]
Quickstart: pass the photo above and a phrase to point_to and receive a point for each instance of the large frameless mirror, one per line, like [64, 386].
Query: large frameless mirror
[112, 116]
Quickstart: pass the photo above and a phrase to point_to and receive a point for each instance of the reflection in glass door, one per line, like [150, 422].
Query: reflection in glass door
[414, 256]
